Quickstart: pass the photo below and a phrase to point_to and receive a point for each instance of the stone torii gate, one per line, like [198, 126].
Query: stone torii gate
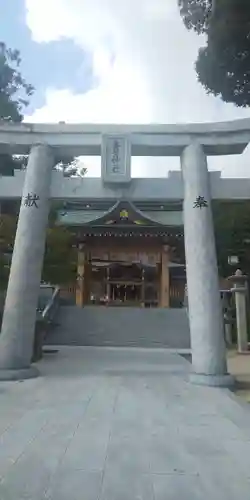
[116, 143]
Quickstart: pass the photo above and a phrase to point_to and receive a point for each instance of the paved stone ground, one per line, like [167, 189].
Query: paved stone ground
[108, 424]
[239, 366]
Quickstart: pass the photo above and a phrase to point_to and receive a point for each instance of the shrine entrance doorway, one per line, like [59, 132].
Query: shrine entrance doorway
[126, 294]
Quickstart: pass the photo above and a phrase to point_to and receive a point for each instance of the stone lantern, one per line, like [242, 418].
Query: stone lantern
[240, 289]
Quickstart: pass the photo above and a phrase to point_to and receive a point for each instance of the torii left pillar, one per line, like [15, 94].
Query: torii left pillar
[19, 318]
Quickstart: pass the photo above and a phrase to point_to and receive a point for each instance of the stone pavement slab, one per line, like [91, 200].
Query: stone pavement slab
[239, 366]
[121, 424]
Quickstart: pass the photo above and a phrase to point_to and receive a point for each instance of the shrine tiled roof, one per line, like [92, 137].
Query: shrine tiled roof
[124, 213]
[120, 214]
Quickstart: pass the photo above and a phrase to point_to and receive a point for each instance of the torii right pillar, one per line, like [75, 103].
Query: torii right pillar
[209, 362]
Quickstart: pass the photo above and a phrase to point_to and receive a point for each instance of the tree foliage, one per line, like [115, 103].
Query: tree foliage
[196, 14]
[7, 236]
[14, 97]
[232, 234]
[71, 167]
[60, 258]
[223, 65]
[14, 90]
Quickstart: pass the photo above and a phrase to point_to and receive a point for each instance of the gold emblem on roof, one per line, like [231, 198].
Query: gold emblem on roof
[123, 214]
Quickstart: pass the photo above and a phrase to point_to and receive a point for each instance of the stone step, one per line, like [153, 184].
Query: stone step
[121, 327]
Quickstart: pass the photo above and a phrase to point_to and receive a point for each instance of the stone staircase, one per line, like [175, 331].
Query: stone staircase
[121, 327]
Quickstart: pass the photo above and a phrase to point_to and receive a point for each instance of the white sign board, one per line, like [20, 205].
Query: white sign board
[116, 159]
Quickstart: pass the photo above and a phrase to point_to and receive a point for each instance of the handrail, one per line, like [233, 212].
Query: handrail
[44, 321]
[51, 303]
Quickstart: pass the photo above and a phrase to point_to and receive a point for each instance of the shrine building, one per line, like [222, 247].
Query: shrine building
[129, 253]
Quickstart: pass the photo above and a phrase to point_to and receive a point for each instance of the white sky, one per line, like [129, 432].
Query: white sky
[144, 63]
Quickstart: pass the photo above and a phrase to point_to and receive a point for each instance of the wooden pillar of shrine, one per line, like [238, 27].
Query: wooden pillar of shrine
[165, 278]
[108, 287]
[80, 288]
[87, 279]
[143, 289]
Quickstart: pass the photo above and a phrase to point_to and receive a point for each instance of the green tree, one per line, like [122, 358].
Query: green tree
[232, 234]
[14, 97]
[7, 236]
[60, 258]
[71, 167]
[14, 90]
[196, 14]
[223, 65]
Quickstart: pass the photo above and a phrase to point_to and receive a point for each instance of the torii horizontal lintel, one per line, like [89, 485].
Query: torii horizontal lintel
[218, 138]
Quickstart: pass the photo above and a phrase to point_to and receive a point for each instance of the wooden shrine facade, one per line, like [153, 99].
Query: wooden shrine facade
[128, 259]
